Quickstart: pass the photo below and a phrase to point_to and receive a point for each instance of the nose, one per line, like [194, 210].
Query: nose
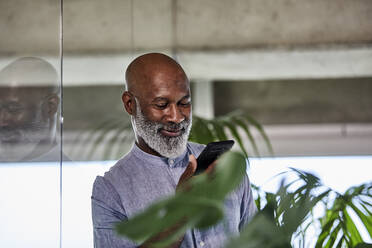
[175, 114]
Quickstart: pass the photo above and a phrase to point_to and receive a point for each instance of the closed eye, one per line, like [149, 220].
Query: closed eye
[185, 104]
[185, 101]
[161, 105]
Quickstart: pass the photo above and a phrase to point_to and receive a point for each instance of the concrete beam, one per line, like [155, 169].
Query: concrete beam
[226, 65]
[317, 139]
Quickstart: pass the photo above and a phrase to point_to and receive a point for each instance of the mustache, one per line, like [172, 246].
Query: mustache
[6, 132]
[172, 126]
[13, 134]
[33, 126]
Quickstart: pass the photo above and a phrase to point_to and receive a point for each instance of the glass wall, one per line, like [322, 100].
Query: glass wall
[96, 129]
[30, 110]
[309, 87]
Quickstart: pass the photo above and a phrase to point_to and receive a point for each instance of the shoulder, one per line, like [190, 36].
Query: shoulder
[120, 167]
[195, 148]
[106, 183]
[102, 188]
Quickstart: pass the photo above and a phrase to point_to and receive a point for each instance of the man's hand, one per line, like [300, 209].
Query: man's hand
[188, 173]
[182, 184]
[150, 243]
[190, 170]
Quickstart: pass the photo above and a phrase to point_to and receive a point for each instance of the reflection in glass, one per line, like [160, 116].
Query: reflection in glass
[28, 111]
[30, 143]
[29, 154]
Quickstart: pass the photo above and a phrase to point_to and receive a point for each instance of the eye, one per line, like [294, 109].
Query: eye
[185, 103]
[161, 105]
[14, 109]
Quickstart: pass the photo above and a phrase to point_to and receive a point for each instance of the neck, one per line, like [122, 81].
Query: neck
[41, 148]
[144, 147]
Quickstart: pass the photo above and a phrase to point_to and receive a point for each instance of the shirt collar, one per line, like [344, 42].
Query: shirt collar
[156, 160]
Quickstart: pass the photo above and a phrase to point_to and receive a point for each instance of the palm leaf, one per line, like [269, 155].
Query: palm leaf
[245, 127]
[366, 220]
[219, 130]
[352, 229]
[200, 131]
[262, 132]
[236, 135]
[333, 236]
[201, 206]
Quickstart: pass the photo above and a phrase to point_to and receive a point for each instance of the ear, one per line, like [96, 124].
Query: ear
[50, 106]
[129, 102]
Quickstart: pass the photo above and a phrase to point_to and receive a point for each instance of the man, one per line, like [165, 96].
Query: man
[159, 102]
[28, 133]
[28, 111]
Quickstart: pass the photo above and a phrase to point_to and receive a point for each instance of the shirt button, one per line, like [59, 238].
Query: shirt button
[171, 161]
[202, 243]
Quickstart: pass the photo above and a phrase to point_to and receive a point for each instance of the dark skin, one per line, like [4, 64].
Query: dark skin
[163, 92]
[28, 105]
[162, 89]
[18, 108]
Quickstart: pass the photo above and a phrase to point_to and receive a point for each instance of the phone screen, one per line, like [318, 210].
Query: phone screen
[210, 153]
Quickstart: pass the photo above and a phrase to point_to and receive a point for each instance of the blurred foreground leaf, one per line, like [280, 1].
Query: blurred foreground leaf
[200, 206]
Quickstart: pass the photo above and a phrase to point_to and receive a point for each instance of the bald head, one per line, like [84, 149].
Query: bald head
[28, 105]
[144, 69]
[29, 72]
[158, 99]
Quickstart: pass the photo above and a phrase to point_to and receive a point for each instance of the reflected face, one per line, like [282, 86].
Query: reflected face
[22, 121]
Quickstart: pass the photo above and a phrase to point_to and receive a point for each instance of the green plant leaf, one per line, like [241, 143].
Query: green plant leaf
[341, 241]
[363, 245]
[330, 218]
[236, 135]
[219, 130]
[261, 232]
[309, 178]
[261, 131]
[245, 127]
[367, 204]
[363, 204]
[333, 236]
[200, 131]
[352, 229]
[200, 206]
[367, 220]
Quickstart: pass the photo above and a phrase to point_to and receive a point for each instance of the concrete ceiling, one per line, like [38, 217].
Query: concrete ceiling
[93, 26]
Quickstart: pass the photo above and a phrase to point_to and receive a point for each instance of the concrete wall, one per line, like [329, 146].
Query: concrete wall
[93, 26]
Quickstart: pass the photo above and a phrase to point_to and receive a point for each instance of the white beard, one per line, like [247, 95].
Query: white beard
[166, 146]
[25, 139]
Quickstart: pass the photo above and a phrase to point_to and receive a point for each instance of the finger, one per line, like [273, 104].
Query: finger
[211, 167]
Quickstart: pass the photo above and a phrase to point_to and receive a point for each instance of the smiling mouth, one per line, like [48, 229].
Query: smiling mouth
[9, 137]
[171, 132]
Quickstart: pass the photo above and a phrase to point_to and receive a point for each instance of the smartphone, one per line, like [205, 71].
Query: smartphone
[210, 153]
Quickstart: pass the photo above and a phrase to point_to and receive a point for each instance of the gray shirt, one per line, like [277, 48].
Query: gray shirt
[139, 179]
